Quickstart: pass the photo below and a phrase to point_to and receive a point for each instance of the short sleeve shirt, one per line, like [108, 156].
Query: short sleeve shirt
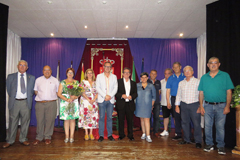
[172, 83]
[157, 86]
[215, 89]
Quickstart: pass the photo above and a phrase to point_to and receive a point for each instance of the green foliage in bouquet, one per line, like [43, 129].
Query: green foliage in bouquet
[236, 96]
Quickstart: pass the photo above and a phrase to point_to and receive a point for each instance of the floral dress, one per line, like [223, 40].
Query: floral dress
[89, 117]
[68, 112]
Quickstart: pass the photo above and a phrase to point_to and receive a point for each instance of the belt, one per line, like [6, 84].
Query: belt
[45, 101]
[214, 103]
[20, 99]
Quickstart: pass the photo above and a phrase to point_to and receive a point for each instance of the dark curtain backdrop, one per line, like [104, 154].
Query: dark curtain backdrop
[39, 52]
[3, 53]
[223, 39]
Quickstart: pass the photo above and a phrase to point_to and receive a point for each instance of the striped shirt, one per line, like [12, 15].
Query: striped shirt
[188, 91]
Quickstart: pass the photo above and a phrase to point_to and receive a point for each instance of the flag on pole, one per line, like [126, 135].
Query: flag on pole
[142, 65]
[82, 73]
[58, 78]
[133, 73]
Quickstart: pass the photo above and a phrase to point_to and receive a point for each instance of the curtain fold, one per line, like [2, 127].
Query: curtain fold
[39, 52]
[201, 52]
[13, 56]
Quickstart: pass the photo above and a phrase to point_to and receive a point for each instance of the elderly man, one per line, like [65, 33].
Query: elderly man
[156, 106]
[215, 88]
[126, 94]
[46, 88]
[172, 87]
[188, 98]
[106, 86]
[20, 90]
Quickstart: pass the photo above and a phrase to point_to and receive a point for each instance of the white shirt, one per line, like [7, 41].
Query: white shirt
[163, 92]
[47, 88]
[19, 94]
[188, 91]
[127, 88]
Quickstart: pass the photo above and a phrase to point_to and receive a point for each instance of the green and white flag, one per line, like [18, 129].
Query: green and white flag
[133, 73]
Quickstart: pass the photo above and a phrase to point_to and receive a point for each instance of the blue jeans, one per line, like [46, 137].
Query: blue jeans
[215, 112]
[108, 107]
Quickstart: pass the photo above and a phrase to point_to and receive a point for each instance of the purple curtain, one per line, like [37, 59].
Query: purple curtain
[39, 52]
[160, 54]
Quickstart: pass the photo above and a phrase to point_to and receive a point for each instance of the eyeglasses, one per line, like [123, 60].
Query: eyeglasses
[107, 66]
[187, 70]
[215, 62]
[70, 72]
[22, 65]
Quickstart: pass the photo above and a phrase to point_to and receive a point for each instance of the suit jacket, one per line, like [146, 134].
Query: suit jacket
[101, 87]
[12, 82]
[120, 102]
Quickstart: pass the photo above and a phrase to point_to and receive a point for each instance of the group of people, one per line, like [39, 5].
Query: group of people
[182, 95]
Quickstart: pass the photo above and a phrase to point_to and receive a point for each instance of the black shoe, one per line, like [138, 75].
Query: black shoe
[131, 139]
[121, 137]
[208, 148]
[100, 139]
[176, 138]
[198, 145]
[221, 150]
[184, 142]
[111, 138]
[192, 141]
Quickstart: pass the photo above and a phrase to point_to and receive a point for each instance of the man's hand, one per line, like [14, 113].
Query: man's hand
[177, 109]
[124, 96]
[202, 110]
[226, 110]
[199, 110]
[169, 106]
[107, 98]
[129, 97]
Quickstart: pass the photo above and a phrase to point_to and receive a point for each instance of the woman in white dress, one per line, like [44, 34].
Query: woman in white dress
[89, 117]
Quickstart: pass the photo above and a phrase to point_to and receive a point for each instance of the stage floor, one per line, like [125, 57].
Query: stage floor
[160, 148]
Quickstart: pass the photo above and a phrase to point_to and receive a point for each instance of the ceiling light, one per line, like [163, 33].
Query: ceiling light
[126, 26]
[159, 2]
[104, 2]
[52, 34]
[85, 27]
[181, 34]
[49, 2]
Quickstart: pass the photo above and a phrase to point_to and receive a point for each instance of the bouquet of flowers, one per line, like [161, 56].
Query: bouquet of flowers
[73, 89]
[236, 96]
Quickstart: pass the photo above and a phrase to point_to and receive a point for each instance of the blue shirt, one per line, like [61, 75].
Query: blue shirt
[215, 89]
[172, 83]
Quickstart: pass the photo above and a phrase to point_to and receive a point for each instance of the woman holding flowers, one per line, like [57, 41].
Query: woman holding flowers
[88, 107]
[69, 91]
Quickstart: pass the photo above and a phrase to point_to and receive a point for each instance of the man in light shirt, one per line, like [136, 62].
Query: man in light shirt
[20, 90]
[188, 98]
[106, 86]
[165, 111]
[46, 88]
[126, 94]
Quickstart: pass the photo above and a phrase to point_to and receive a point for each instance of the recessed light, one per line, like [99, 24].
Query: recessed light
[104, 2]
[126, 26]
[85, 27]
[159, 2]
[181, 34]
[49, 2]
[52, 34]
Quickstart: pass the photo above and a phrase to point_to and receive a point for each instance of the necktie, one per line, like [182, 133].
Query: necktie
[23, 88]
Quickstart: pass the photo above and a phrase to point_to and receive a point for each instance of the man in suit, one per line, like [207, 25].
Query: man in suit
[127, 92]
[20, 90]
[106, 85]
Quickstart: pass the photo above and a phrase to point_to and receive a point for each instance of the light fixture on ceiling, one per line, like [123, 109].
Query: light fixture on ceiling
[104, 2]
[51, 34]
[159, 2]
[49, 2]
[85, 27]
[126, 26]
[181, 34]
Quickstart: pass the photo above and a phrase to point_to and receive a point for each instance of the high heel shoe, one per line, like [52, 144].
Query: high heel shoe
[86, 137]
[66, 140]
[91, 137]
[71, 140]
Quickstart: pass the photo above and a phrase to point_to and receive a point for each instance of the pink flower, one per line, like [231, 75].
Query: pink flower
[89, 125]
[85, 113]
[85, 109]
[70, 87]
[94, 118]
[93, 106]
[97, 120]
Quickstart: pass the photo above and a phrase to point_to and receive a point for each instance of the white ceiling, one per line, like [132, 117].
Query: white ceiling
[145, 18]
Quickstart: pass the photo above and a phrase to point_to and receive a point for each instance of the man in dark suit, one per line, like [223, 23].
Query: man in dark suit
[127, 92]
[20, 90]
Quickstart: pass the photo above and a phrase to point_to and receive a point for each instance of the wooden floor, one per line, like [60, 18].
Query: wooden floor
[160, 148]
